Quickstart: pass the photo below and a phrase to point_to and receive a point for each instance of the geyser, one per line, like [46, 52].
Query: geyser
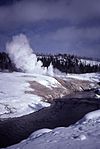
[22, 55]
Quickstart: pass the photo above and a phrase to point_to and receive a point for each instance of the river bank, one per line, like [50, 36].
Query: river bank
[62, 113]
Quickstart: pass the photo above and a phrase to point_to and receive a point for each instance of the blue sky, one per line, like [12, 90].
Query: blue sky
[53, 26]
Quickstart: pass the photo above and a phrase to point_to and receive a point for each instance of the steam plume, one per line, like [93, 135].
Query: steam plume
[22, 55]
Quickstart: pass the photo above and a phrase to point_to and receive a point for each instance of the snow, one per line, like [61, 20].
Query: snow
[97, 91]
[14, 101]
[85, 134]
[87, 76]
[39, 133]
[93, 115]
[97, 96]
[91, 62]
[82, 137]
[93, 77]
[46, 81]
[15, 97]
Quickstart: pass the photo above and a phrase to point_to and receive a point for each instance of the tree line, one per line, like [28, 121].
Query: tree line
[63, 62]
[68, 63]
[6, 63]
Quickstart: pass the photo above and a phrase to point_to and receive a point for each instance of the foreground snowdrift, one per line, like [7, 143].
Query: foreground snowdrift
[85, 134]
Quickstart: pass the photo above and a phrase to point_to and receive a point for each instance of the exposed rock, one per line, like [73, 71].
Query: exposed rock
[74, 85]
[48, 94]
[68, 87]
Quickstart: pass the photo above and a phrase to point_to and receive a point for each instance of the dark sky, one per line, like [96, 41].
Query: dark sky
[68, 26]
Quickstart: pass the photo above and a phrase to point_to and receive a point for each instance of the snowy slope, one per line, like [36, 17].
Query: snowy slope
[13, 99]
[89, 62]
[85, 134]
[92, 77]
[87, 76]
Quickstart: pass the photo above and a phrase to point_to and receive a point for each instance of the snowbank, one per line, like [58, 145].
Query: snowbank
[85, 135]
[93, 115]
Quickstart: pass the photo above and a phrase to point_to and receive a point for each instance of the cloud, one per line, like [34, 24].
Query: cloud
[54, 24]
[23, 12]
[80, 41]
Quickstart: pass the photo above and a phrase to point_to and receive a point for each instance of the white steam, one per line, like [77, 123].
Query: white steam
[22, 55]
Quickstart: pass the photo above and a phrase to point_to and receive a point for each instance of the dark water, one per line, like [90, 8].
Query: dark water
[63, 112]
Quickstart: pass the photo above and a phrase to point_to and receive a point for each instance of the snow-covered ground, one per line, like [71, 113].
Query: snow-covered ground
[87, 76]
[13, 99]
[89, 62]
[85, 134]
[17, 98]
[93, 77]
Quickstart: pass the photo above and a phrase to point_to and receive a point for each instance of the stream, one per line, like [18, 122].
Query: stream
[63, 112]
